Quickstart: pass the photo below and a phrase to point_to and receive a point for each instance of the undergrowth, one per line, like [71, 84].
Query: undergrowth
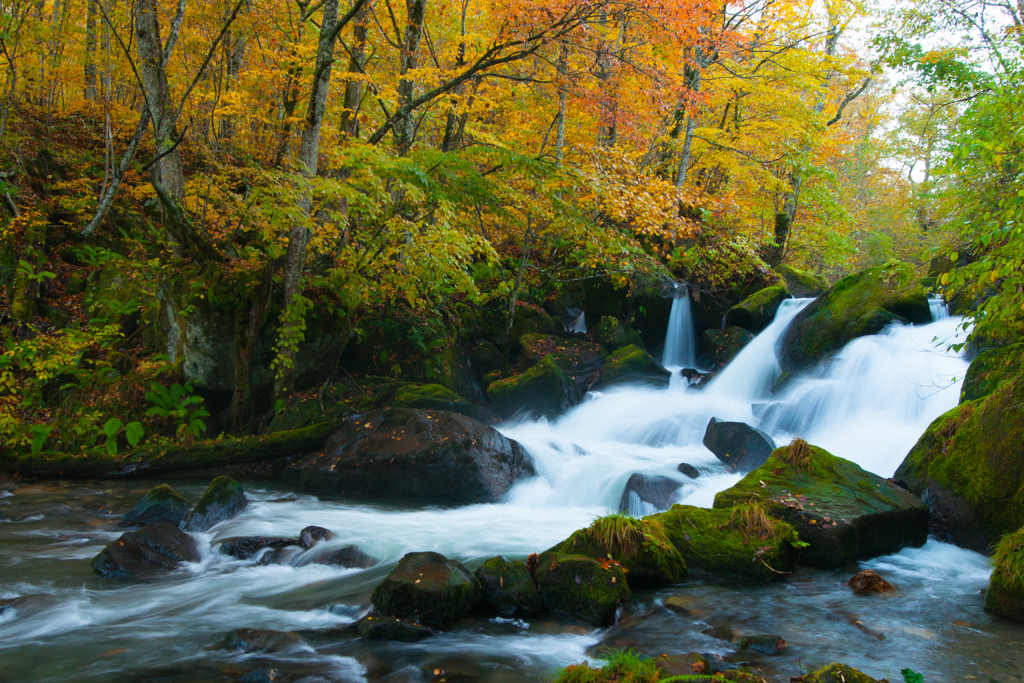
[751, 519]
[798, 454]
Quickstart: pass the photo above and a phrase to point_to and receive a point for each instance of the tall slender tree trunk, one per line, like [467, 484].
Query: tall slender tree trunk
[356, 65]
[405, 129]
[91, 13]
[563, 92]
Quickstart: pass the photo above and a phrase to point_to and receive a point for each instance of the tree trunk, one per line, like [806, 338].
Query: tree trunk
[405, 129]
[90, 50]
[356, 65]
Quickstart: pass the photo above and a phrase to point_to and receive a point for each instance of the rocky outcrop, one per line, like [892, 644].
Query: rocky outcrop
[427, 588]
[579, 587]
[612, 334]
[738, 445]
[726, 344]
[1005, 594]
[428, 397]
[633, 364]
[151, 549]
[545, 390]
[423, 455]
[990, 370]
[657, 491]
[161, 504]
[508, 587]
[581, 361]
[223, 499]
[859, 304]
[802, 283]
[843, 512]
[757, 311]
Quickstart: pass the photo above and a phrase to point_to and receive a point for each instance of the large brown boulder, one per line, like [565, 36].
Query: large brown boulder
[428, 588]
[149, 550]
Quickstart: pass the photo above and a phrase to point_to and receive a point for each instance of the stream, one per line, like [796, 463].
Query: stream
[869, 405]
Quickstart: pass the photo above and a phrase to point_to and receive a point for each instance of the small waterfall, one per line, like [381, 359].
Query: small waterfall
[940, 311]
[680, 340]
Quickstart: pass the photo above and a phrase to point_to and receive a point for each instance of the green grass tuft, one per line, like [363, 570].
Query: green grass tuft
[625, 536]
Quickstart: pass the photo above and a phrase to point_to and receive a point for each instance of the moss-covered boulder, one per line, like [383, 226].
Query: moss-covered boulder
[492, 325]
[161, 504]
[484, 358]
[756, 311]
[151, 549]
[726, 344]
[579, 587]
[858, 305]
[740, 543]
[582, 361]
[420, 455]
[969, 467]
[843, 512]
[427, 588]
[543, 390]
[613, 334]
[508, 587]
[428, 397]
[802, 283]
[990, 370]
[640, 546]
[223, 499]
[836, 673]
[633, 364]
[1005, 594]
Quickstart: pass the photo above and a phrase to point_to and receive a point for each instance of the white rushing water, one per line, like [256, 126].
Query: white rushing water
[680, 338]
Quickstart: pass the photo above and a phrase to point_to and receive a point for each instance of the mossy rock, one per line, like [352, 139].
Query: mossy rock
[756, 311]
[302, 413]
[633, 364]
[837, 673]
[640, 546]
[858, 305]
[969, 466]
[223, 499]
[492, 326]
[580, 587]
[581, 361]
[545, 390]
[1005, 594]
[428, 397]
[427, 588]
[508, 587]
[842, 511]
[612, 334]
[990, 370]
[160, 504]
[726, 344]
[802, 283]
[718, 543]
[484, 358]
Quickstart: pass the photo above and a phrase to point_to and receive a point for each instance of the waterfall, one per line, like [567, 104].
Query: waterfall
[680, 340]
[939, 309]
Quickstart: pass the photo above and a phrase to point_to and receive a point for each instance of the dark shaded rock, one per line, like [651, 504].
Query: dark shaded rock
[766, 645]
[246, 547]
[656, 490]
[581, 361]
[1005, 594]
[427, 587]
[379, 627]
[508, 587]
[345, 556]
[458, 669]
[801, 283]
[224, 499]
[690, 664]
[287, 555]
[428, 397]
[757, 311]
[544, 390]
[869, 581]
[312, 535]
[612, 334]
[738, 445]
[689, 470]
[161, 504]
[26, 605]
[581, 588]
[990, 370]
[152, 548]
[261, 676]
[843, 512]
[261, 640]
[484, 358]
[726, 344]
[835, 673]
[633, 364]
[427, 455]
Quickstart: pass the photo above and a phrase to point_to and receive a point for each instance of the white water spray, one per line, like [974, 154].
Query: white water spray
[680, 339]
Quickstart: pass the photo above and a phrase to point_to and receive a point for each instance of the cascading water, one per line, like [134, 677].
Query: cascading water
[680, 340]
[938, 307]
[868, 404]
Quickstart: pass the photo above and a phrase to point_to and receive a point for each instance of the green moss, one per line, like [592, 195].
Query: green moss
[990, 370]
[726, 344]
[508, 587]
[716, 542]
[631, 363]
[1005, 594]
[756, 311]
[612, 334]
[801, 282]
[427, 587]
[427, 397]
[625, 666]
[580, 587]
[844, 512]
[544, 389]
[837, 673]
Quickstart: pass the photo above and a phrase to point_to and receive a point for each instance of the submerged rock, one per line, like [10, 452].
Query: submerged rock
[224, 499]
[581, 588]
[545, 390]
[508, 587]
[261, 640]
[349, 556]
[153, 548]
[633, 364]
[312, 535]
[843, 512]
[161, 504]
[246, 547]
[688, 469]
[379, 627]
[738, 445]
[26, 605]
[869, 581]
[426, 455]
[766, 645]
[757, 311]
[726, 344]
[429, 588]
[655, 490]
[261, 676]
[1005, 594]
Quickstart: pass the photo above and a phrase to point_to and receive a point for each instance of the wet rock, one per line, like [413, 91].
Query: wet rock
[969, 467]
[397, 454]
[612, 334]
[835, 673]
[153, 548]
[508, 587]
[581, 588]
[859, 304]
[726, 344]
[349, 556]
[869, 581]
[766, 645]
[429, 588]
[757, 311]
[461, 669]
[428, 397]
[1005, 594]
[689, 470]
[689, 664]
[738, 445]
[161, 504]
[261, 676]
[262, 640]
[246, 547]
[544, 390]
[581, 361]
[843, 512]
[485, 358]
[287, 555]
[26, 605]
[633, 364]
[224, 499]
[802, 283]
[990, 370]
[380, 627]
[654, 490]
[312, 535]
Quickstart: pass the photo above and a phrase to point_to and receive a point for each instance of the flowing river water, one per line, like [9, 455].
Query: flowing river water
[869, 405]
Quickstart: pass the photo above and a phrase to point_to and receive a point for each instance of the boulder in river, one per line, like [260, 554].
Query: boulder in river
[379, 627]
[688, 469]
[153, 548]
[657, 491]
[508, 587]
[161, 504]
[726, 344]
[224, 499]
[858, 305]
[246, 547]
[423, 455]
[349, 556]
[869, 581]
[312, 535]
[766, 645]
[580, 587]
[633, 364]
[737, 444]
[969, 467]
[835, 673]
[1005, 594]
[843, 512]
[428, 588]
[581, 361]
[25, 605]
[544, 389]
[262, 640]
[756, 311]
